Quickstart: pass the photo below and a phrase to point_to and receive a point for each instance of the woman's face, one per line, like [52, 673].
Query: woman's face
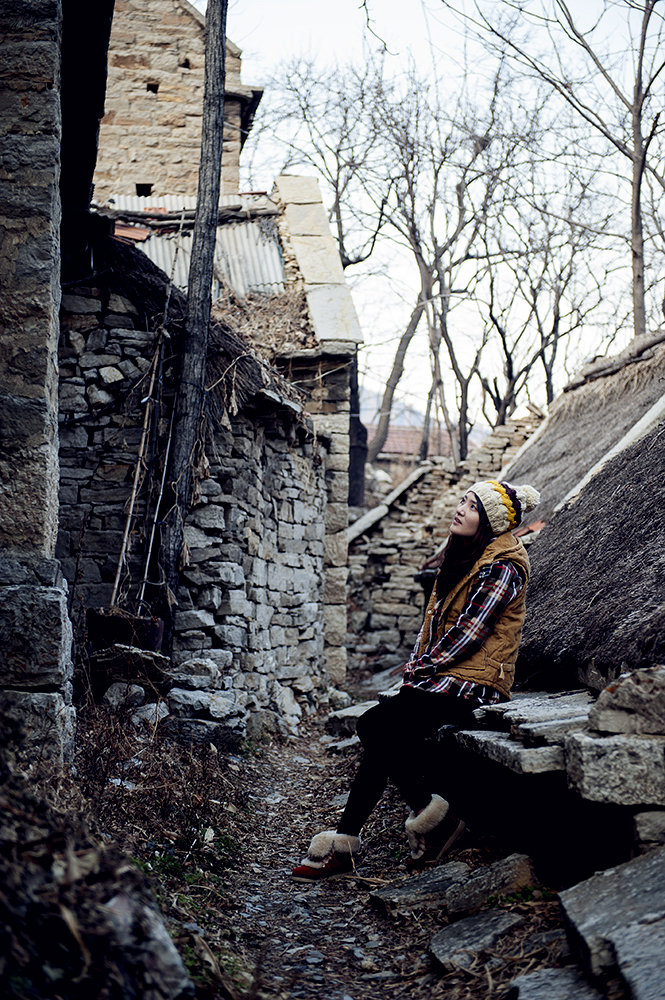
[467, 517]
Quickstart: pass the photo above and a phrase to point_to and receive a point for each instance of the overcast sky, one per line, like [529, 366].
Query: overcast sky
[272, 31]
[269, 32]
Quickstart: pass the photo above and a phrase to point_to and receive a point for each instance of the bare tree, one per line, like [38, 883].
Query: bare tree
[540, 288]
[625, 113]
[439, 175]
[325, 126]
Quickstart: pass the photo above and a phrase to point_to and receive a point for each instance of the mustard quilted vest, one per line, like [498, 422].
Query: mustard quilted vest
[494, 663]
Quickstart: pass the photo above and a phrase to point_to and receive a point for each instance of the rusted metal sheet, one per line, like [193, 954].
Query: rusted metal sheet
[248, 254]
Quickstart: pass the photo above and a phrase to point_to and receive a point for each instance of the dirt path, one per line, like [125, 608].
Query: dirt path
[329, 941]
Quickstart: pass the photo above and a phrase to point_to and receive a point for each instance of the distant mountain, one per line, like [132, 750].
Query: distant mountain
[401, 414]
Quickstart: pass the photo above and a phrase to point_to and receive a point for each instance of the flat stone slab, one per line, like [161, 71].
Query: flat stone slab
[505, 750]
[604, 912]
[343, 722]
[627, 770]
[422, 891]
[634, 703]
[640, 955]
[550, 733]
[334, 317]
[503, 877]
[120, 662]
[460, 943]
[530, 708]
[552, 984]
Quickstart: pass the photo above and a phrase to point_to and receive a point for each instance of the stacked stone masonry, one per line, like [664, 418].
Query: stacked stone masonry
[151, 132]
[35, 688]
[312, 263]
[325, 380]
[385, 602]
[252, 598]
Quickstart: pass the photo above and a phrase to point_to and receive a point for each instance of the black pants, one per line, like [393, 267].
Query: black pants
[393, 735]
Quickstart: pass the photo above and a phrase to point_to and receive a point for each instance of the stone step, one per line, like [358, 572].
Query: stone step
[623, 769]
[617, 922]
[531, 708]
[504, 749]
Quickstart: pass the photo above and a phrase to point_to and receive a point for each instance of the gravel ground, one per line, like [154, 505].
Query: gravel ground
[329, 941]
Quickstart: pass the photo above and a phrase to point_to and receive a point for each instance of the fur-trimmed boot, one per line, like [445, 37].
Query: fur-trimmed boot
[330, 854]
[432, 831]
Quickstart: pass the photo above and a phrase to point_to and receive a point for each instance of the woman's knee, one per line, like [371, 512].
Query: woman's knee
[376, 727]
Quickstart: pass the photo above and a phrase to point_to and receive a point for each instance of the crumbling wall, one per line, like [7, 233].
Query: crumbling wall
[252, 596]
[35, 687]
[385, 602]
[151, 131]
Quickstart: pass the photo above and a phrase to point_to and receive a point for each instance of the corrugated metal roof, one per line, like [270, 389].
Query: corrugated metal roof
[248, 255]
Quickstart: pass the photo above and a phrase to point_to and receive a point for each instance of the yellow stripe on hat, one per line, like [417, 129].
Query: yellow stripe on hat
[505, 500]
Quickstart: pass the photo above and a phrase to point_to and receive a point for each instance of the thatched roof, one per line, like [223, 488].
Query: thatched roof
[234, 365]
[595, 600]
[586, 422]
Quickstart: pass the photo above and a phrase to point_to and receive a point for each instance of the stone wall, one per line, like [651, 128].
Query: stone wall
[385, 603]
[325, 380]
[323, 373]
[251, 604]
[35, 688]
[151, 131]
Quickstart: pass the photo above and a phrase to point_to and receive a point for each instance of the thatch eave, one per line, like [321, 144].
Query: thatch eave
[585, 423]
[236, 371]
[595, 604]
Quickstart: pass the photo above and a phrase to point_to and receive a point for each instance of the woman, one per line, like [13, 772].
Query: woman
[464, 657]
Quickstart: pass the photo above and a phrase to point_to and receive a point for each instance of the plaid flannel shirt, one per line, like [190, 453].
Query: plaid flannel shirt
[490, 592]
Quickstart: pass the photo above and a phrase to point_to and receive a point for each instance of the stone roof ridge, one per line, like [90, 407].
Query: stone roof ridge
[373, 516]
[199, 16]
[312, 261]
[639, 349]
[193, 12]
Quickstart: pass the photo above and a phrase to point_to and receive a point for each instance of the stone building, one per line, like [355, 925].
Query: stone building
[265, 246]
[49, 124]
[389, 544]
[265, 577]
[249, 641]
[276, 258]
[150, 135]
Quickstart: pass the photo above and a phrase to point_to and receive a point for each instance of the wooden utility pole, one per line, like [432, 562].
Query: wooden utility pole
[190, 398]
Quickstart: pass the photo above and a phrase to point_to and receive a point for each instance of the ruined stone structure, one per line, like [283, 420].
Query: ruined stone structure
[35, 688]
[251, 604]
[389, 544]
[150, 135]
[269, 247]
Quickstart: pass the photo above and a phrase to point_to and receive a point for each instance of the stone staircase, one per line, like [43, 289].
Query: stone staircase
[578, 782]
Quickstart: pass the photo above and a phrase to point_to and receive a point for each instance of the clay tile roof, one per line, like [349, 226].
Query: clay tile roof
[406, 441]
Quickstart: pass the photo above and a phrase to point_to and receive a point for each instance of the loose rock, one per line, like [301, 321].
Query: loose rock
[459, 943]
[548, 984]
[504, 877]
[605, 908]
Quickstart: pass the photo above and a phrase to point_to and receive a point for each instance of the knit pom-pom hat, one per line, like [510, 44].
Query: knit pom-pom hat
[505, 504]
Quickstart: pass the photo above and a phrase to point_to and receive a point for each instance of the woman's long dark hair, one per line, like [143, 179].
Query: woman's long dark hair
[460, 554]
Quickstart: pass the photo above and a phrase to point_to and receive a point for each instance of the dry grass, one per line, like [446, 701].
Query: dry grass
[273, 324]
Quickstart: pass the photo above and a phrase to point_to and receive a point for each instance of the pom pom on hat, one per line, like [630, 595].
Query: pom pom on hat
[505, 504]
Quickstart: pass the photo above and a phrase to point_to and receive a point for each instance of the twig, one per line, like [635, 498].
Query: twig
[137, 470]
